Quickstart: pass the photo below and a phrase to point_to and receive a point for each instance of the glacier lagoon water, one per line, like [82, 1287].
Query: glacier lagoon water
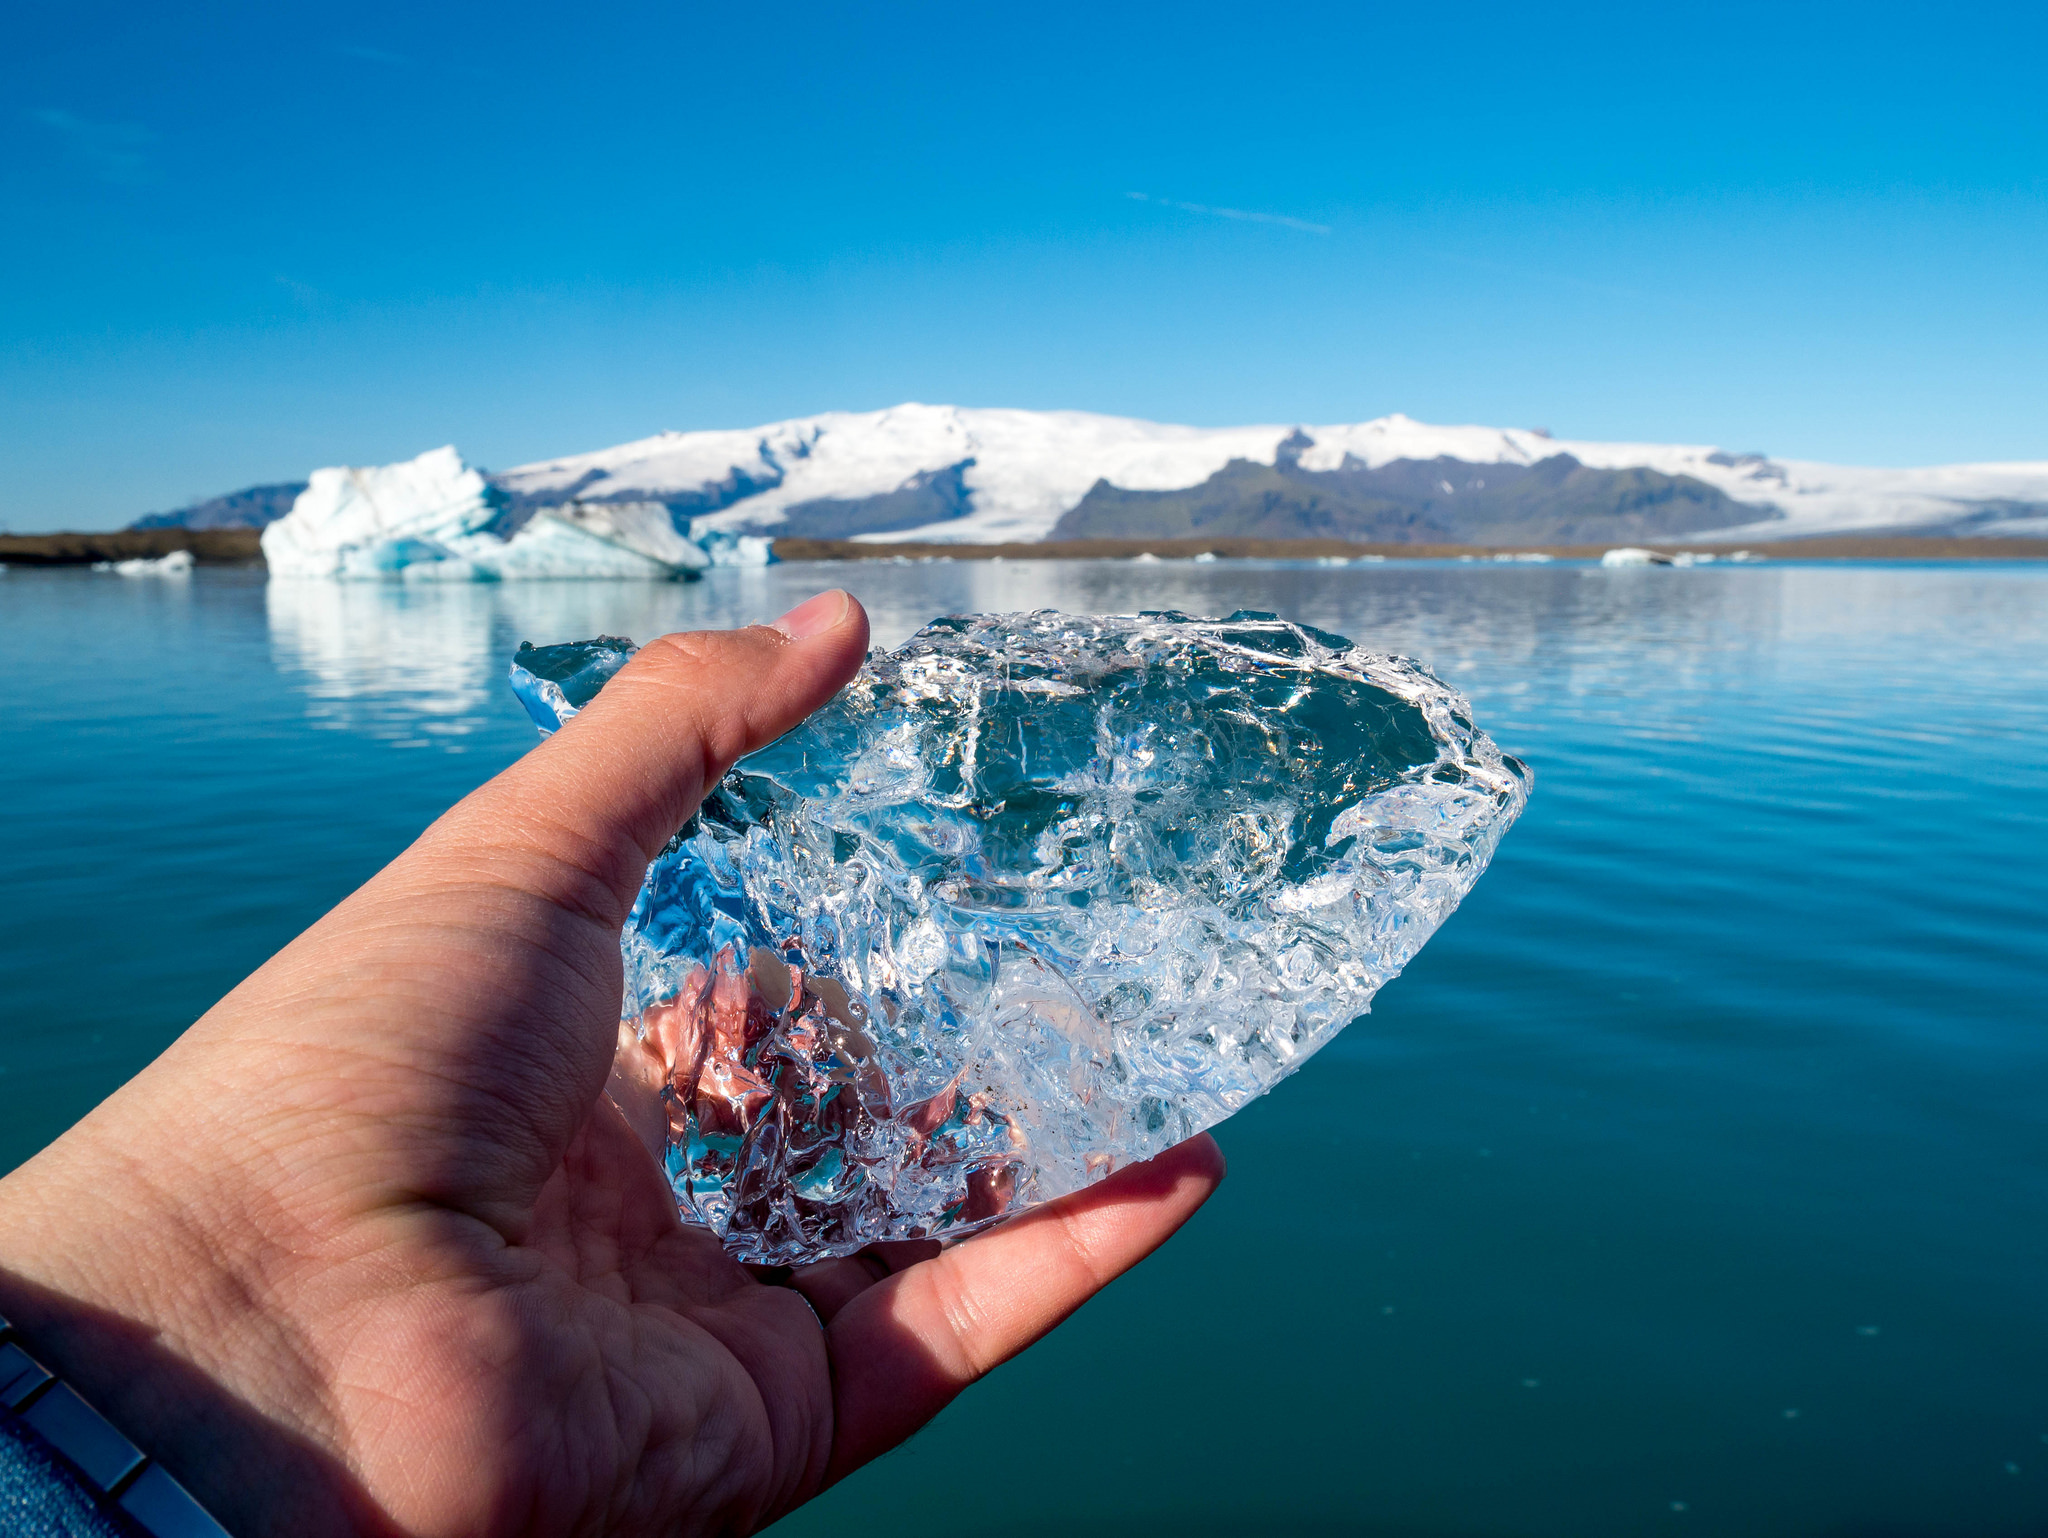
[1700, 1162]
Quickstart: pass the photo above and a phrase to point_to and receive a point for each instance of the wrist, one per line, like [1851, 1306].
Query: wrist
[167, 1344]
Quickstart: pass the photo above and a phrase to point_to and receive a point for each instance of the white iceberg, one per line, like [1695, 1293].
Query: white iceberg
[1630, 555]
[435, 519]
[722, 547]
[177, 564]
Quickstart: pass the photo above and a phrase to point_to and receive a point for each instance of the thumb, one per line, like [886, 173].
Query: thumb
[476, 979]
[584, 812]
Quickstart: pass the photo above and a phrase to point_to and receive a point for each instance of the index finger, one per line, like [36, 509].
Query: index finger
[906, 1346]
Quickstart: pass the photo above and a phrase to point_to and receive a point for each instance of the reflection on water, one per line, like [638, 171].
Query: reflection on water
[425, 662]
[1638, 646]
[388, 659]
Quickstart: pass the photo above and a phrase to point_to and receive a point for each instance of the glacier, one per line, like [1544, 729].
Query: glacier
[1034, 897]
[436, 519]
[1022, 470]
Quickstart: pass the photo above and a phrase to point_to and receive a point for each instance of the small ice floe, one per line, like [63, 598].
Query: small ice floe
[1534, 556]
[722, 547]
[1144, 555]
[1630, 555]
[177, 564]
[1333, 560]
[1206, 555]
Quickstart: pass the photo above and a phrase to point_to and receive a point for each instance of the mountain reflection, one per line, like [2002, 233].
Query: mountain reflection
[425, 663]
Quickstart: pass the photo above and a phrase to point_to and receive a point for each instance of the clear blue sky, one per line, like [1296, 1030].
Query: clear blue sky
[240, 241]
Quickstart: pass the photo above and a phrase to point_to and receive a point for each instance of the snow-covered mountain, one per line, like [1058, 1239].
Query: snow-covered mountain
[669, 504]
[958, 473]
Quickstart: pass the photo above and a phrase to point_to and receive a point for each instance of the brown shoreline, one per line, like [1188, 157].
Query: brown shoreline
[1845, 548]
[209, 547]
[238, 547]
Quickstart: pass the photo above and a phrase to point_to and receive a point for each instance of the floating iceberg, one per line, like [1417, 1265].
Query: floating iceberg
[177, 564]
[435, 519]
[1036, 896]
[722, 547]
[1629, 555]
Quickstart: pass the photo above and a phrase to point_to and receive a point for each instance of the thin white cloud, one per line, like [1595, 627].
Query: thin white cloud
[114, 151]
[1246, 215]
[304, 293]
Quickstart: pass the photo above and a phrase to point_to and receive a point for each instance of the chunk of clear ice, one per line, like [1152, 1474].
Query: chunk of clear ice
[1034, 897]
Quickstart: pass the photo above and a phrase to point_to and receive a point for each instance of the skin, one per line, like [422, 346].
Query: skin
[367, 1251]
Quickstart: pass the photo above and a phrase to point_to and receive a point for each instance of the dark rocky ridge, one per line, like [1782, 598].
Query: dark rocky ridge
[248, 509]
[931, 496]
[1436, 501]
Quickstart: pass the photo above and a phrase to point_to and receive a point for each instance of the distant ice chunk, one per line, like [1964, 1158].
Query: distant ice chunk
[435, 519]
[554, 682]
[1036, 896]
[636, 539]
[177, 564]
[722, 547]
[1629, 555]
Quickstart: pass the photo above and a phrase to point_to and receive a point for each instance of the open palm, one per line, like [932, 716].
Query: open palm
[368, 1251]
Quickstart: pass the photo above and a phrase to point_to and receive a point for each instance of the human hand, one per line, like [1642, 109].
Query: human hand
[367, 1250]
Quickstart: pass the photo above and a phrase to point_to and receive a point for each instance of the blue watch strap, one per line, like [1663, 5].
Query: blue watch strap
[93, 1462]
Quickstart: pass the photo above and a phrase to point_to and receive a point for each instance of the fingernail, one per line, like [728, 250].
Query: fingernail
[813, 616]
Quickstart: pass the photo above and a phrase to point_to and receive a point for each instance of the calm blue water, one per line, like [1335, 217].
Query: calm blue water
[1694, 1180]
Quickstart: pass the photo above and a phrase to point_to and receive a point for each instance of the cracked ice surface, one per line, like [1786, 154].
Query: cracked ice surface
[1036, 896]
